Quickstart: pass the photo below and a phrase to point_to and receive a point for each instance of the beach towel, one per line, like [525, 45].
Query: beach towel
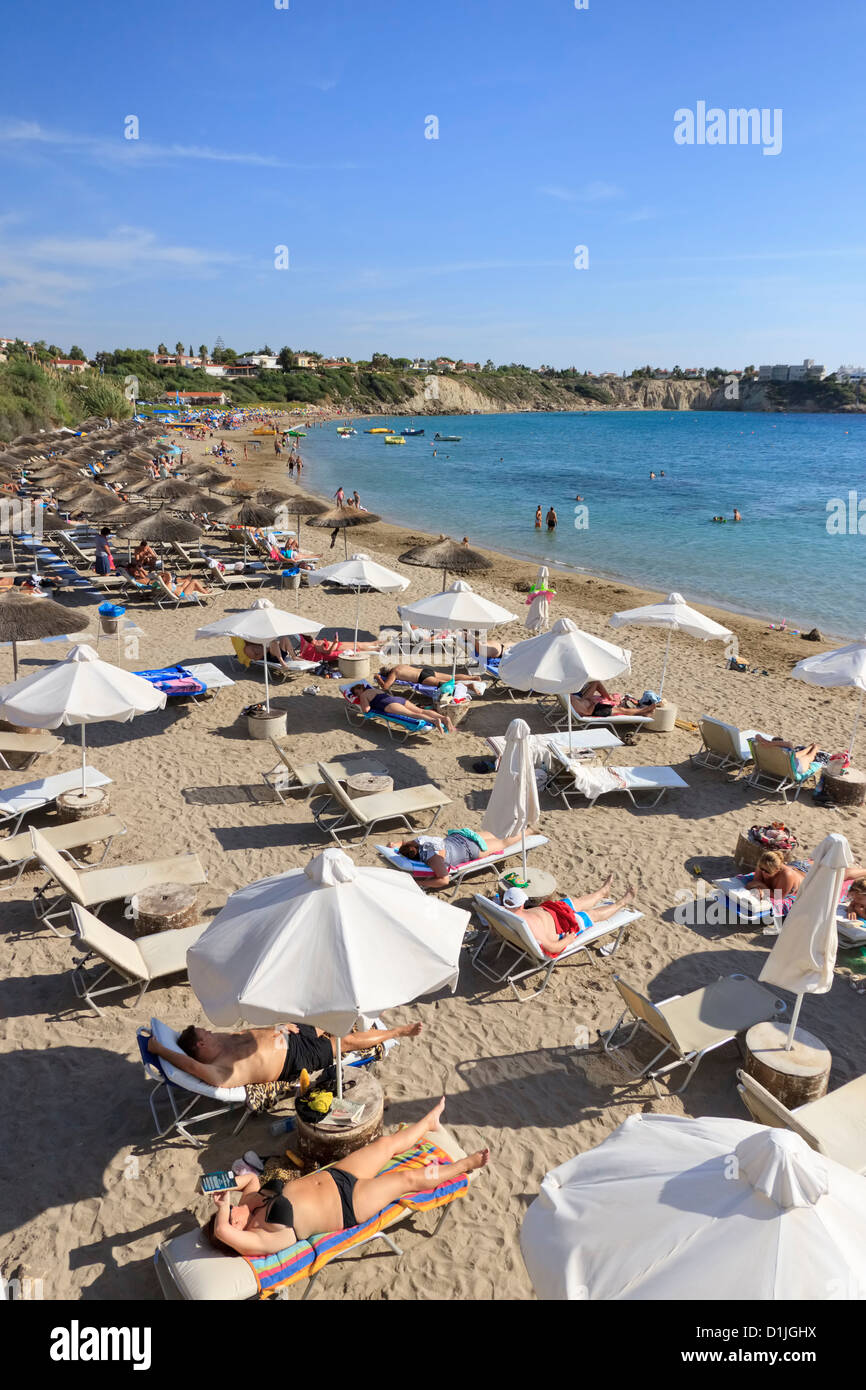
[308, 1257]
[593, 781]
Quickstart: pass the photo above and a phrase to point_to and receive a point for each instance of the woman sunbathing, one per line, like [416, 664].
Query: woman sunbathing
[266, 1221]
[412, 675]
[803, 757]
[491, 650]
[595, 701]
[321, 649]
[180, 587]
[556, 923]
[383, 702]
[442, 853]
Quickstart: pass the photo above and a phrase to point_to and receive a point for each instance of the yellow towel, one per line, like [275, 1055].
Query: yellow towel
[239, 644]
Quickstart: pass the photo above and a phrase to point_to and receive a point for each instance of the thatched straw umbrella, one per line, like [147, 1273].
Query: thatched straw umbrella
[274, 497]
[171, 490]
[159, 526]
[340, 519]
[448, 556]
[26, 618]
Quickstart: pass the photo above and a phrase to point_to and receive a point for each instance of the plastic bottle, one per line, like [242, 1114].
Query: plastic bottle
[284, 1125]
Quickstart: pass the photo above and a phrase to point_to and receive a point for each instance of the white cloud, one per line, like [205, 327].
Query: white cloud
[142, 151]
[595, 192]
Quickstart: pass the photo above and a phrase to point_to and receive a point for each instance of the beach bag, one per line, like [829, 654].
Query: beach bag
[774, 836]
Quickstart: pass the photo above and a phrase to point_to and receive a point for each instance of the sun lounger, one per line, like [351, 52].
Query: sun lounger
[28, 746]
[175, 682]
[18, 802]
[725, 747]
[293, 667]
[556, 713]
[690, 1025]
[515, 936]
[593, 782]
[305, 777]
[833, 1125]
[138, 963]
[397, 728]
[236, 581]
[366, 812]
[745, 906]
[776, 771]
[79, 557]
[459, 871]
[184, 1093]
[191, 561]
[100, 886]
[16, 852]
[189, 1268]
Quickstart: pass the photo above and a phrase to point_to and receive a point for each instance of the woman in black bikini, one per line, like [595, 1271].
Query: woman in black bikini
[333, 1199]
[383, 702]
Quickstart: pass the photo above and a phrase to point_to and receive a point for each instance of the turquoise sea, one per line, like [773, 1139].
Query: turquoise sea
[781, 471]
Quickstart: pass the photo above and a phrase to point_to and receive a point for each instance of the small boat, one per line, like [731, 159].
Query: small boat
[394, 439]
[410, 432]
[378, 430]
[448, 438]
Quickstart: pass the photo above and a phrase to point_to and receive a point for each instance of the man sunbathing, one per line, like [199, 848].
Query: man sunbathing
[347, 1194]
[383, 702]
[555, 924]
[595, 701]
[421, 675]
[260, 1055]
[442, 853]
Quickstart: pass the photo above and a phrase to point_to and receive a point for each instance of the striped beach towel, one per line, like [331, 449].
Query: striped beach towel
[307, 1257]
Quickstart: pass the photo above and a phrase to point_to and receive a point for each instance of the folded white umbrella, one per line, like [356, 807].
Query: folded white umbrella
[676, 615]
[669, 1207]
[322, 945]
[804, 954]
[513, 803]
[261, 623]
[561, 661]
[844, 666]
[538, 616]
[360, 572]
[81, 689]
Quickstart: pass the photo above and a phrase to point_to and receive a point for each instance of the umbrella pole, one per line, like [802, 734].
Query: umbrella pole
[856, 722]
[15, 661]
[665, 664]
[523, 850]
[345, 543]
[569, 720]
[339, 1070]
[357, 618]
[796, 1014]
[266, 654]
[83, 760]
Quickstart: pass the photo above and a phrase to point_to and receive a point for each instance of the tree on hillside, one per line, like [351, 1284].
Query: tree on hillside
[202, 352]
[287, 359]
[489, 365]
[162, 350]
[178, 347]
[76, 354]
[266, 351]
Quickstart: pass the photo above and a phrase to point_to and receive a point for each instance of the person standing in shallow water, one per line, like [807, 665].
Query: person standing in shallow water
[538, 517]
[552, 520]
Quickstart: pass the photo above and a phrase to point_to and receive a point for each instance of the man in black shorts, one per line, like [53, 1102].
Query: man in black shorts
[265, 1054]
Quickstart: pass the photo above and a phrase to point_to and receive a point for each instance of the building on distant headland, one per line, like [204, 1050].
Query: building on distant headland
[851, 373]
[302, 361]
[809, 370]
[176, 359]
[69, 364]
[266, 361]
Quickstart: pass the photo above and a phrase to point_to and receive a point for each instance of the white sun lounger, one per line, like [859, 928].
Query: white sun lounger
[16, 852]
[138, 963]
[237, 581]
[515, 936]
[834, 1125]
[557, 714]
[634, 781]
[460, 871]
[366, 812]
[100, 886]
[774, 771]
[18, 802]
[164, 595]
[690, 1025]
[305, 777]
[725, 747]
[29, 746]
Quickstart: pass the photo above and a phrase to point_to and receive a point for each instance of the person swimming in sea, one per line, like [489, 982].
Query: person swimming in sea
[737, 516]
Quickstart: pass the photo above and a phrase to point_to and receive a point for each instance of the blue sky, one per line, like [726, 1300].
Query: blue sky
[305, 127]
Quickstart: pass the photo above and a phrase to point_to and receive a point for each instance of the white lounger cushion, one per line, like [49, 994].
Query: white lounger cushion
[148, 958]
[121, 881]
[229, 1094]
[750, 906]
[422, 871]
[31, 796]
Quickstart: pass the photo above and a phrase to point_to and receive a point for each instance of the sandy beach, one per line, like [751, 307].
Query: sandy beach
[88, 1204]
